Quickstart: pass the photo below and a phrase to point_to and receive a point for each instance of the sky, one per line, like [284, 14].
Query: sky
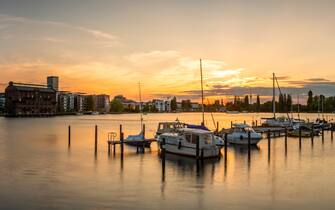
[108, 46]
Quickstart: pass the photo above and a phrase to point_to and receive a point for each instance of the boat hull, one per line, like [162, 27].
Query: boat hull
[139, 144]
[243, 141]
[191, 152]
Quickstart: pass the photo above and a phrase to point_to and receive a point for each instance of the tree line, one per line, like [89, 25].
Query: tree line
[315, 103]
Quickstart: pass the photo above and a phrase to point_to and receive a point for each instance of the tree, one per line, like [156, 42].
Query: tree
[246, 100]
[258, 104]
[288, 102]
[90, 104]
[116, 106]
[174, 104]
[186, 105]
[310, 101]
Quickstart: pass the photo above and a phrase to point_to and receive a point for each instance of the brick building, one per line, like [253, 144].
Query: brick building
[29, 100]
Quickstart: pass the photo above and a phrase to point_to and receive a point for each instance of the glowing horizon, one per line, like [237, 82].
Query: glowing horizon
[109, 46]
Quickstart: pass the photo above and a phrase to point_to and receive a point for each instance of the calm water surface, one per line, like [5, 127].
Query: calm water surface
[38, 171]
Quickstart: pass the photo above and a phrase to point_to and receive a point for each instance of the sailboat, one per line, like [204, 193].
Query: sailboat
[176, 126]
[137, 140]
[218, 140]
[276, 121]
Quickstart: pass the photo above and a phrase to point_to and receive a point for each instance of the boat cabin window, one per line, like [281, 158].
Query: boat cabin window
[239, 130]
[247, 129]
[194, 138]
[188, 137]
[207, 139]
[191, 138]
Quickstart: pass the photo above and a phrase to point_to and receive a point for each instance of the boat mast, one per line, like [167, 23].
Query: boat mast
[319, 107]
[202, 96]
[274, 96]
[140, 107]
[298, 108]
[321, 98]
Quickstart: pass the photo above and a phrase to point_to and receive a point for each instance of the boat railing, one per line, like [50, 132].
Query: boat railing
[111, 136]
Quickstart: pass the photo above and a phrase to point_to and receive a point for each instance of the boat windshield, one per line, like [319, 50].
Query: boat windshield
[170, 126]
[207, 139]
[247, 129]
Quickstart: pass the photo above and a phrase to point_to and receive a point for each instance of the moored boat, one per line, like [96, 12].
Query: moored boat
[186, 141]
[240, 133]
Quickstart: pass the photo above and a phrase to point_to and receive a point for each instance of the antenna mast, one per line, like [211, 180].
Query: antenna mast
[274, 96]
[202, 95]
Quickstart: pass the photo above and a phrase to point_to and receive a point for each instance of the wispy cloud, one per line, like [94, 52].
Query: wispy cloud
[98, 34]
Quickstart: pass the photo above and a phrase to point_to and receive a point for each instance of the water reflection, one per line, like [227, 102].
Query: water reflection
[34, 157]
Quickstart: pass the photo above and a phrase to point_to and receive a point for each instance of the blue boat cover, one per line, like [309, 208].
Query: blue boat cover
[201, 127]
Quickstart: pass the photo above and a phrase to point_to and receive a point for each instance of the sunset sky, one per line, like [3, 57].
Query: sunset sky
[108, 46]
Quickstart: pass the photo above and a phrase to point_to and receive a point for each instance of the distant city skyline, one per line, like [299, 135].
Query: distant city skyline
[108, 46]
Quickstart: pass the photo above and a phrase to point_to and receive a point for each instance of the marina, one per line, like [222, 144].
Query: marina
[44, 158]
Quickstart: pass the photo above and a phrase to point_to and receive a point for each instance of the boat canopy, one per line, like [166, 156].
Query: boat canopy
[201, 127]
[241, 125]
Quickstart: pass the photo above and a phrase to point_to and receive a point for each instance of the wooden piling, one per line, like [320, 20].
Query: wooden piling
[299, 137]
[249, 141]
[109, 148]
[163, 148]
[217, 126]
[323, 133]
[121, 140]
[225, 145]
[231, 124]
[244, 122]
[269, 141]
[197, 154]
[331, 132]
[256, 123]
[285, 141]
[96, 140]
[143, 144]
[312, 135]
[69, 136]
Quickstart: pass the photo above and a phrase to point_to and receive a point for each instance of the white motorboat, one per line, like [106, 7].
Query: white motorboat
[277, 122]
[168, 127]
[184, 142]
[240, 132]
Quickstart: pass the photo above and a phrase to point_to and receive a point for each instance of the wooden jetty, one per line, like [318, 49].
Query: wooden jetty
[140, 144]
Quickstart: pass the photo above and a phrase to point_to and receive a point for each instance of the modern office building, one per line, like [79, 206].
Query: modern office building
[159, 105]
[53, 82]
[66, 102]
[79, 103]
[29, 100]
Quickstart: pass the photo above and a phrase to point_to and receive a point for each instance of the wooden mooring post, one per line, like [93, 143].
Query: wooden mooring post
[285, 141]
[331, 132]
[323, 133]
[143, 144]
[299, 137]
[269, 142]
[249, 142]
[69, 136]
[163, 158]
[96, 140]
[225, 145]
[121, 140]
[197, 152]
[312, 135]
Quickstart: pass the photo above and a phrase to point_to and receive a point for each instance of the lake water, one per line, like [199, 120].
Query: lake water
[38, 171]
